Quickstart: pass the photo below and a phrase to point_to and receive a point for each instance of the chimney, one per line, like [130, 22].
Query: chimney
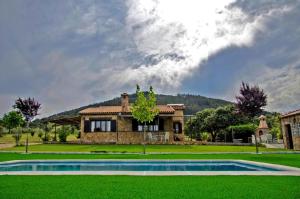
[125, 102]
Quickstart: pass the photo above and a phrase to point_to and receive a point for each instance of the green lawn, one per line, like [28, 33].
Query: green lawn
[149, 187]
[8, 138]
[138, 148]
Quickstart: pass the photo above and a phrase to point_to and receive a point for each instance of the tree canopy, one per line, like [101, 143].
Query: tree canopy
[251, 100]
[28, 107]
[144, 108]
[214, 120]
[12, 120]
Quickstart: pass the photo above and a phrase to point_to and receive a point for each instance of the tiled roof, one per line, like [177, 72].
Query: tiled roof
[291, 113]
[177, 106]
[118, 109]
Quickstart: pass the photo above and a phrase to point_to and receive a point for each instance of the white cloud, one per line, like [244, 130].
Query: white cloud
[78, 53]
[282, 86]
[180, 35]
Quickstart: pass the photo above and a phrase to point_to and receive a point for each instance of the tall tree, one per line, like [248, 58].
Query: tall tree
[214, 120]
[144, 109]
[12, 120]
[29, 109]
[251, 100]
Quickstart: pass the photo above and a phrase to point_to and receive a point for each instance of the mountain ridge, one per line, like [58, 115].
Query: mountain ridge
[193, 103]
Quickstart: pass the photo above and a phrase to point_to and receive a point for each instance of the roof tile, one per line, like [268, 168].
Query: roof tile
[118, 109]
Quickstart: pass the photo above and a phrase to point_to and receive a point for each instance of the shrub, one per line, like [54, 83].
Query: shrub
[46, 137]
[40, 133]
[1, 131]
[243, 131]
[17, 134]
[78, 134]
[29, 130]
[62, 135]
[279, 135]
[32, 132]
[204, 136]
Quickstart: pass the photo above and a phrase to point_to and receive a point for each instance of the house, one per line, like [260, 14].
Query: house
[115, 124]
[290, 126]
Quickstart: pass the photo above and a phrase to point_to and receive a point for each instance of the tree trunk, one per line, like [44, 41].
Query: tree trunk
[213, 136]
[144, 144]
[27, 127]
[55, 139]
[256, 145]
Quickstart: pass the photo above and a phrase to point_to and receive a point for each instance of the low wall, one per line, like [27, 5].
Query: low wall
[130, 137]
[122, 138]
[103, 137]
[296, 142]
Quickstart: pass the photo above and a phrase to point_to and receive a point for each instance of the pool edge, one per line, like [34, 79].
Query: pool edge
[288, 170]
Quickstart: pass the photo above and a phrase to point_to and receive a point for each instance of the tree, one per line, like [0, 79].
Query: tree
[144, 109]
[47, 127]
[29, 109]
[214, 120]
[273, 121]
[12, 120]
[220, 119]
[242, 131]
[251, 100]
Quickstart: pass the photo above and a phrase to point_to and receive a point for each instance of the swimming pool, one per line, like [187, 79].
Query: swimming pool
[134, 166]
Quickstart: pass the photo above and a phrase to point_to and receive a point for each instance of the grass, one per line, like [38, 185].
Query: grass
[152, 186]
[137, 148]
[8, 138]
[149, 187]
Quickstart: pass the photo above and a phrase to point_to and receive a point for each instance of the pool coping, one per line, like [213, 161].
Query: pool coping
[288, 170]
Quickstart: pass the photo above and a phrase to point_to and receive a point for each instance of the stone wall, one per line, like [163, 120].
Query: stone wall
[130, 137]
[178, 117]
[124, 134]
[99, 138]
[294, 121]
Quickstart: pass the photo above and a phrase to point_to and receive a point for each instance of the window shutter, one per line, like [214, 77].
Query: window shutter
[134, 125]
[113, 126]
[87, 126]
[161, 124]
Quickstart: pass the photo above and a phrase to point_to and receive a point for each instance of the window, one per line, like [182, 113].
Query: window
[148, 127]
[92, 126]
[156, 125]
[101, 126]
[177, 127]
[140, 127]
[108, 126]
[98, 125]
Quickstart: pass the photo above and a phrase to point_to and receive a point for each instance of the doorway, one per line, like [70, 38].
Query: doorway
[289, 138]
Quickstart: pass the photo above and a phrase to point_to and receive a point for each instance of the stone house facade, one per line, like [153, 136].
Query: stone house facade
[290, 126]
[116, 125]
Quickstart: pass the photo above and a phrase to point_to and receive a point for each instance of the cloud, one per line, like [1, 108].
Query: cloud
[73, 53]
[283, 86]
[191, 30]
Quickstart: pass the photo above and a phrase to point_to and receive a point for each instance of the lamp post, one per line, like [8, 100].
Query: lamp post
[256, 144]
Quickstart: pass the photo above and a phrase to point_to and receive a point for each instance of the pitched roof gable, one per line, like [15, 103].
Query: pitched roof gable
[118, 109]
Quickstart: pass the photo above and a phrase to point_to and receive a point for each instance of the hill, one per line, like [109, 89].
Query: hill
[193, 103]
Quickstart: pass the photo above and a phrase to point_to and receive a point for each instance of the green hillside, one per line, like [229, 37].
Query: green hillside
[193, 103]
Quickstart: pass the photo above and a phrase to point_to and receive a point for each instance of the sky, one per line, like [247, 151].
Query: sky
[72, 53]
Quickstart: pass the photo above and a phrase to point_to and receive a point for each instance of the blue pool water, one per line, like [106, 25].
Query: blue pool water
[131, 166]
